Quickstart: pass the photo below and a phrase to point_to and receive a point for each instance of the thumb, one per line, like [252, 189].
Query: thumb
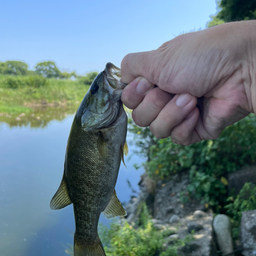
[134, 65]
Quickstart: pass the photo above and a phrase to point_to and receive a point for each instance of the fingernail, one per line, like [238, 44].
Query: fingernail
[183, 100]
[143, 86]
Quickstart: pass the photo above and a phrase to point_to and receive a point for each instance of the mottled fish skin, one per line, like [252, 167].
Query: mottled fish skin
[91, 168]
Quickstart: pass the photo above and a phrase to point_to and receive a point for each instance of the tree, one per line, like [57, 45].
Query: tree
[233, 10]
[48, 69]
[214, 22]
[88, 79]
[13, 67]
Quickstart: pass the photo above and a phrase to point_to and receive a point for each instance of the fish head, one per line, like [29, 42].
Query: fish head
[102, 102]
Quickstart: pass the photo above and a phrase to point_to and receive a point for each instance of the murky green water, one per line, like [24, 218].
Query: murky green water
[32, 149]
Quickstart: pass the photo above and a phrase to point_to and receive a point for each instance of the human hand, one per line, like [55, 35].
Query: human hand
[205, 82]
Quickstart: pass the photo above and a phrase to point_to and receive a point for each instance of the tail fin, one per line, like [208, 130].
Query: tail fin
[81, 248]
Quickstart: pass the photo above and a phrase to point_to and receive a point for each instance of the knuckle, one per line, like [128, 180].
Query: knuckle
[156, 99]
[127, 99]
[181, 137]
[158, 133]
[138, 119]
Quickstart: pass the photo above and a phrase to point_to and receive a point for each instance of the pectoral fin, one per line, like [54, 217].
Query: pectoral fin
[61, 198]
[114, 208]
[102, 145]
[124, 151]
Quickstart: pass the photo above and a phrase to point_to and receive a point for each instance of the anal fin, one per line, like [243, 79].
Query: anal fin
[61, 198]
[114, 208]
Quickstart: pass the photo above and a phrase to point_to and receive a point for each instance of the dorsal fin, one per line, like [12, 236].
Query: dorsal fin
[114, 207]
[124, 151]
[61, 198]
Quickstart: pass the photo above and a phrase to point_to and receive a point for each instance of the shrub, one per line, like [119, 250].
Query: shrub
[208, 162]
[88, 79]
[16, 82]
[244, 201]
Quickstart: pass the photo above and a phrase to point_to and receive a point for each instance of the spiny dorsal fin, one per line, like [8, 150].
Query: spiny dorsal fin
[61, 198]
[124, 151]
[114, 208]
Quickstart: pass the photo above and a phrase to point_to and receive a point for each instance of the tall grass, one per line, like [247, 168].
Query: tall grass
[27, 91]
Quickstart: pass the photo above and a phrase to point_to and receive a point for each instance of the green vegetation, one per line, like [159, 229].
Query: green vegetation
[233, 10]
[22, 89]
[244, 201]
[18, 94]
[139, 239]
[208, 162]
[122, 239]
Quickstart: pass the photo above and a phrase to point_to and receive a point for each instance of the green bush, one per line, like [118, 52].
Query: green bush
[16, 82]
[88, 79]
[244, 201]
[123, 239]
[208, 162]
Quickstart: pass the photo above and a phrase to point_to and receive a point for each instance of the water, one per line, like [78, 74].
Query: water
[32, 149]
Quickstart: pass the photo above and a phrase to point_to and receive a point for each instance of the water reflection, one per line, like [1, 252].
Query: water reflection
[31, 164]
[39, 117]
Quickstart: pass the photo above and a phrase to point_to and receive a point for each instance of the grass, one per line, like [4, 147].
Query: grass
[20, 94]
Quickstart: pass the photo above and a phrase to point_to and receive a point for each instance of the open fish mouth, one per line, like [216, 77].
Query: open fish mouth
[113, 76]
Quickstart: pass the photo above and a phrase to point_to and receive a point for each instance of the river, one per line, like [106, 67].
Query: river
[32, 150]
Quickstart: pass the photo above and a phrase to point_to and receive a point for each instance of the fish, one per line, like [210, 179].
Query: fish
[95, 148]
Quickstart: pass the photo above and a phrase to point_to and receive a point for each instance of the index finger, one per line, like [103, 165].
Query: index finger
[134, 65]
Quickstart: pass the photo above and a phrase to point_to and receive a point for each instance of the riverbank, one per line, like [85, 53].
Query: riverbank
[22, 95]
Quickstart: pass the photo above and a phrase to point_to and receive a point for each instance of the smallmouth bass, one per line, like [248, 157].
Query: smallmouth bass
[96, 144]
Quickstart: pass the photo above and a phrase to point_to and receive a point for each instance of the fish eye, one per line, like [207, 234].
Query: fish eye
[94, 88]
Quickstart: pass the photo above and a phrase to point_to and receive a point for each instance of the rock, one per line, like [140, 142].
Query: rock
[173, 237]
[171, 240]
[194, 226]
[17, 119]
[170, 231]
[203, 243]
[130, 218]
[174, 218]
[198, 214]
[170, 209]
[154, 221]
[190, 248]
[222, 228]
[159, 227]
[236, 180]
[248, 233]
[167, 201]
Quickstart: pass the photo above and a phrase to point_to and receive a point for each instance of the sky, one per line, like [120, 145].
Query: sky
[83, 35]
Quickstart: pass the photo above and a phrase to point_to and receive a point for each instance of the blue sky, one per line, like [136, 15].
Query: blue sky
[83, 35]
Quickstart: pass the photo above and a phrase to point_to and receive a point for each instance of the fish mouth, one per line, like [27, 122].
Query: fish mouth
[113, 76]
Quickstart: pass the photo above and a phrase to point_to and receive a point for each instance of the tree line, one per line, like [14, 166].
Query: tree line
[47, 69]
